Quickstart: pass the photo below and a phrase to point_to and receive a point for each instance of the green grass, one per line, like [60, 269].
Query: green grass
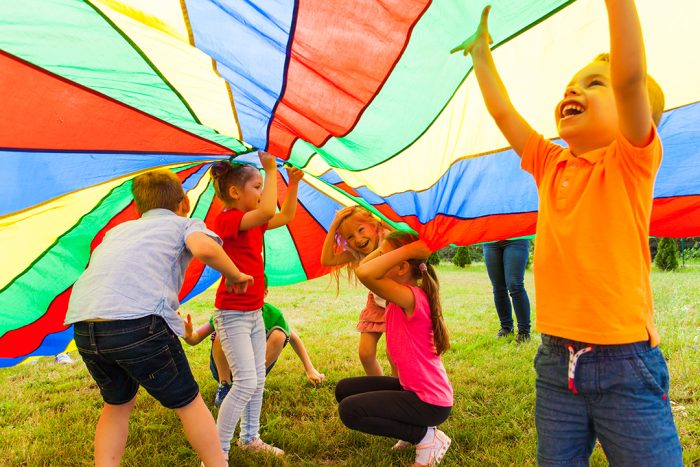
[48, 411]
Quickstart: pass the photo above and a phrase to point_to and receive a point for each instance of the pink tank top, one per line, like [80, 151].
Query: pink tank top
[411, 347]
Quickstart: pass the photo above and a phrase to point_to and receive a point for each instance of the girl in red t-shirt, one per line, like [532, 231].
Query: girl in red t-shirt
[249, 210]
[354, 234]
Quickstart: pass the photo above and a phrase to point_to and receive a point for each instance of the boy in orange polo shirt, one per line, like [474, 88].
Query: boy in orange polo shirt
[600, 373]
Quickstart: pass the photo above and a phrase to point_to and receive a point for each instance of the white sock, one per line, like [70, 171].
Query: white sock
[429, 435]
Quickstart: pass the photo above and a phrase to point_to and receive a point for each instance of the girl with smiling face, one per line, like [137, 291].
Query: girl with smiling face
[354, 234]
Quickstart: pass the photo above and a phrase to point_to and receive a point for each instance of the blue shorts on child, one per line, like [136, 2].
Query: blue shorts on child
[125, 354]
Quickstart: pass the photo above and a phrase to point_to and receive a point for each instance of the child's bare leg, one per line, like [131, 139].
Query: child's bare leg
[111, 433]
[200, 430]
[368, 353]
[273, 346]
[220, 361]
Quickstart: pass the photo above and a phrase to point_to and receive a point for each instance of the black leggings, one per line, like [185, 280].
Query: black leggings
[378, 405]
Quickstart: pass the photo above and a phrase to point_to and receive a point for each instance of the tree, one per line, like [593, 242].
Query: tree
[462, 258]
[433, 259]
[666, 252]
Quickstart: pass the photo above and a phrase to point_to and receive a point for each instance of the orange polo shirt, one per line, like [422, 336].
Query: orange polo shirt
[592, 261]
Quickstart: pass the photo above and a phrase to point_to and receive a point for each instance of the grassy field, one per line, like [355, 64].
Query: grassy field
[48, 411]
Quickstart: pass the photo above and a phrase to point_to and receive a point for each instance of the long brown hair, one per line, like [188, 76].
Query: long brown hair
[427, 279]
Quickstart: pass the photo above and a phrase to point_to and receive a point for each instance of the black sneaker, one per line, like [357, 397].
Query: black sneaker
[523, 336]
[504, 332]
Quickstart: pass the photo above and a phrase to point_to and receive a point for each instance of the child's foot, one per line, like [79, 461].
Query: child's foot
[432, 448]
[221, 392]
[258, 445]
[401, 445]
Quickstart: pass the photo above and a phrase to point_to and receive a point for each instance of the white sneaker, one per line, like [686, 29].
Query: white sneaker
[429, 451]
[258, 445]
[64, 358]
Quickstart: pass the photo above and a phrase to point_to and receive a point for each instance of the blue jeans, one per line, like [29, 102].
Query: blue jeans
[242, 336]
[505, 262]
[622, 401]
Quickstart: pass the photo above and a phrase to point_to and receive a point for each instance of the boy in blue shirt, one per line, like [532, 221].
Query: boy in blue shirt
[126, 327]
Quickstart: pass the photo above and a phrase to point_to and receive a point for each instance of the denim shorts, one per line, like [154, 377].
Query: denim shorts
[618, 395]
[125, 354]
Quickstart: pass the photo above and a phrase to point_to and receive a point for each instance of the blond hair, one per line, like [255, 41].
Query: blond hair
[341, 244]
[157, 189]
[657, 100]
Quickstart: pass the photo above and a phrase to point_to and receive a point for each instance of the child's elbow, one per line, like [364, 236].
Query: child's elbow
[362, 274]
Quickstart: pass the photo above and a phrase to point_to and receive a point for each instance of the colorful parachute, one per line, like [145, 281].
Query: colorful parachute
[363, 95]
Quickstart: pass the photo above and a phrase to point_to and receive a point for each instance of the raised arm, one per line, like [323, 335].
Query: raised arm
[628, 72]
[268, 200]
[329, 255]
[311, 373]
[289, 206]
[205, 249]
[509, 121]
[372, 274]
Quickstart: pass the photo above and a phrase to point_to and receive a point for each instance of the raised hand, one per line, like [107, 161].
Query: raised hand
[481, 34]
[267, 160]
[343, 213]
[294, 174]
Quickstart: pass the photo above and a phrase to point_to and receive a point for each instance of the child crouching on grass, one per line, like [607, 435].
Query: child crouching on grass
[123, 308]
[278, 334]
[411, 406]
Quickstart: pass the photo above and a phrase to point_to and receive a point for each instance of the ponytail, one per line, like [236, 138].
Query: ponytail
[428, 282]
[430, 285]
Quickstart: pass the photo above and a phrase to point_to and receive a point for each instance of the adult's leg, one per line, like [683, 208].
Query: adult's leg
[368, 353]
[515, 254]
[378, 406]
[200, 429]
[493, 258]
[111, 433]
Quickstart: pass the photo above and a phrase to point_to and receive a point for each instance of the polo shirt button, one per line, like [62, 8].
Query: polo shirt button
[565, 184]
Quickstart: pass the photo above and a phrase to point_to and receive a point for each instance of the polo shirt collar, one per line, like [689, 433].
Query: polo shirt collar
[158, 212]
[591, 156]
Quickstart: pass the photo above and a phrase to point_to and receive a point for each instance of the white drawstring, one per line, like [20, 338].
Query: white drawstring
[573, 359]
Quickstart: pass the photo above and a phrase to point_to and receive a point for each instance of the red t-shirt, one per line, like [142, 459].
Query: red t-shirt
[245, 248]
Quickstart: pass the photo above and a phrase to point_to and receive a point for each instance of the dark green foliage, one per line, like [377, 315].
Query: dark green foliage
[434, 258]
[462, 258]
[666, 255]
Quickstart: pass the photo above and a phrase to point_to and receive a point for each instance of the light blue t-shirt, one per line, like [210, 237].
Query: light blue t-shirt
[137, 271]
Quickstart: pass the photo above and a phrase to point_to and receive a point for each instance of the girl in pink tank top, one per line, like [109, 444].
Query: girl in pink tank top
[411, 406]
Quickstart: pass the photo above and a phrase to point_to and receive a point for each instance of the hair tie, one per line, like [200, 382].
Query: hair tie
[423, 267]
